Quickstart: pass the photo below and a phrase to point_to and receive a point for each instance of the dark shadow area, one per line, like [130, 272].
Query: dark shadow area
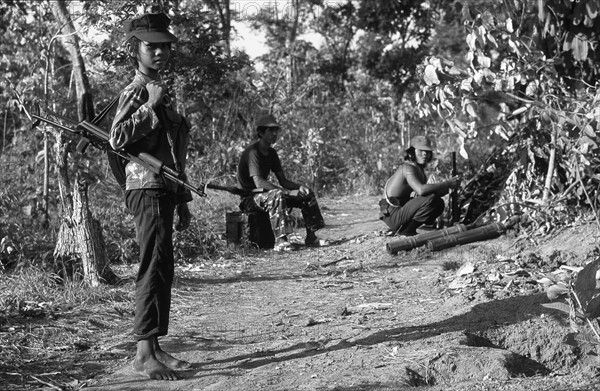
[526, 367]
[481, 317]
[519, 365]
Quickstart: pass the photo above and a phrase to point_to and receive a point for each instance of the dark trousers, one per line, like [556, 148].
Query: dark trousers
[153, 211]
[278, 206]
[420, 210]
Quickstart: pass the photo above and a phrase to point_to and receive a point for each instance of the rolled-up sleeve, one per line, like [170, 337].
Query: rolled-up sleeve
[133, 120]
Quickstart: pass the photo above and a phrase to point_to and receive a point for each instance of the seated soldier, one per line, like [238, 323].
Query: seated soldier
[409, 201]
[256, 163]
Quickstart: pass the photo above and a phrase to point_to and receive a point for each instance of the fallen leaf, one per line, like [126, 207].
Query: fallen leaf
[467, 268]
[555, 291]
[545, 281]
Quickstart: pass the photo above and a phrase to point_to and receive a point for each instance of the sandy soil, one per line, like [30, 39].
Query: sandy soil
[352, 317]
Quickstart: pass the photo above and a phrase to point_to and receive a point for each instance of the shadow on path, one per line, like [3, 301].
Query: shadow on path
[481, 317]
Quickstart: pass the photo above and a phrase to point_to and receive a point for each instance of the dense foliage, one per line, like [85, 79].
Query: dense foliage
[529, 85]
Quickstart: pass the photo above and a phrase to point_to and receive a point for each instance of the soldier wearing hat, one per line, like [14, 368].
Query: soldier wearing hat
[256, 163]
[408, 200]
[146, 121]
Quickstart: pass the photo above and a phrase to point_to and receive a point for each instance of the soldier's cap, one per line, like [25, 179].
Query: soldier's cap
[267, 121]
[422, 143]
[150, 28]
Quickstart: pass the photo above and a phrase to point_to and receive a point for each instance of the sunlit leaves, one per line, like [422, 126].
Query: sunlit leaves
[466, 85]
[472, 41]
[579, 46]
[470, 108]
[514, 47]
[509, 25]
[532, 88]
[592, 9]
[430, 76]
[484, 61]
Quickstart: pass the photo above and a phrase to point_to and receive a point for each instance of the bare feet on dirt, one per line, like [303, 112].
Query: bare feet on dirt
[154, 369]
[171, 361]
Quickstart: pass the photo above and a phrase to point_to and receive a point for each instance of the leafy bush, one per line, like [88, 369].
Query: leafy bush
[511, 90]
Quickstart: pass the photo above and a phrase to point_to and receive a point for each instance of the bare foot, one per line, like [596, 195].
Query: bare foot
[154, 369]
[171, 361]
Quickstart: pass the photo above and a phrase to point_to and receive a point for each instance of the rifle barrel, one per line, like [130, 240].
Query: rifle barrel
[55, 124]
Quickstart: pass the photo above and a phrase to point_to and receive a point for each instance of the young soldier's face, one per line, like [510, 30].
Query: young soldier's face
[422, 156]
[154, 55]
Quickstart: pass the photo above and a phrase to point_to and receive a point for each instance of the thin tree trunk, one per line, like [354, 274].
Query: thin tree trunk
[70, 40]
[49, 69]
[290, 44]
[551, 164]
[80, 235]
[4, 129]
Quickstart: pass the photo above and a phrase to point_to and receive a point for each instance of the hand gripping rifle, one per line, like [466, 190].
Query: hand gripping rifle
[90, 133]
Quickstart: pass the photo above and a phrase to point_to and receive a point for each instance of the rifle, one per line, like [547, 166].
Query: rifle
[235, 190]
[90, 133]
[453, 195]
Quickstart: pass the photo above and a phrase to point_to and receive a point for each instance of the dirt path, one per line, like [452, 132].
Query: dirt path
[352, 317]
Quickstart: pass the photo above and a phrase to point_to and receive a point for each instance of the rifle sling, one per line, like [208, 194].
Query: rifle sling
[98, 118]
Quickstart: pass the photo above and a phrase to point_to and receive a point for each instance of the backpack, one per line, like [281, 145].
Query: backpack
[116, 161]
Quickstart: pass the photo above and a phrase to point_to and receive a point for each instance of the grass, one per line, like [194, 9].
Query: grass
[49, 325]
[33, 285]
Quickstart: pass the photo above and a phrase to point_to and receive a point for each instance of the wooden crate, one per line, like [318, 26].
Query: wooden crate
[253, 228]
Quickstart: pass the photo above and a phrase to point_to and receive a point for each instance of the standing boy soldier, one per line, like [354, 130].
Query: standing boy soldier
[147, 122]
[399, 209]
[256, 163]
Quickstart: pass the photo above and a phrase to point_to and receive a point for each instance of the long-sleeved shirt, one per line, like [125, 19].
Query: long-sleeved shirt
[160, 132]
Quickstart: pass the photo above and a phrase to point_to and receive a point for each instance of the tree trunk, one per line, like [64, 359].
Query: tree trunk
[80, 235]
[70, 41]
[551, 164]
[223, 8]
[290, 45]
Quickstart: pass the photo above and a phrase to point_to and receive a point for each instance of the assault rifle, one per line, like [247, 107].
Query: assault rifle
[90, 133]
